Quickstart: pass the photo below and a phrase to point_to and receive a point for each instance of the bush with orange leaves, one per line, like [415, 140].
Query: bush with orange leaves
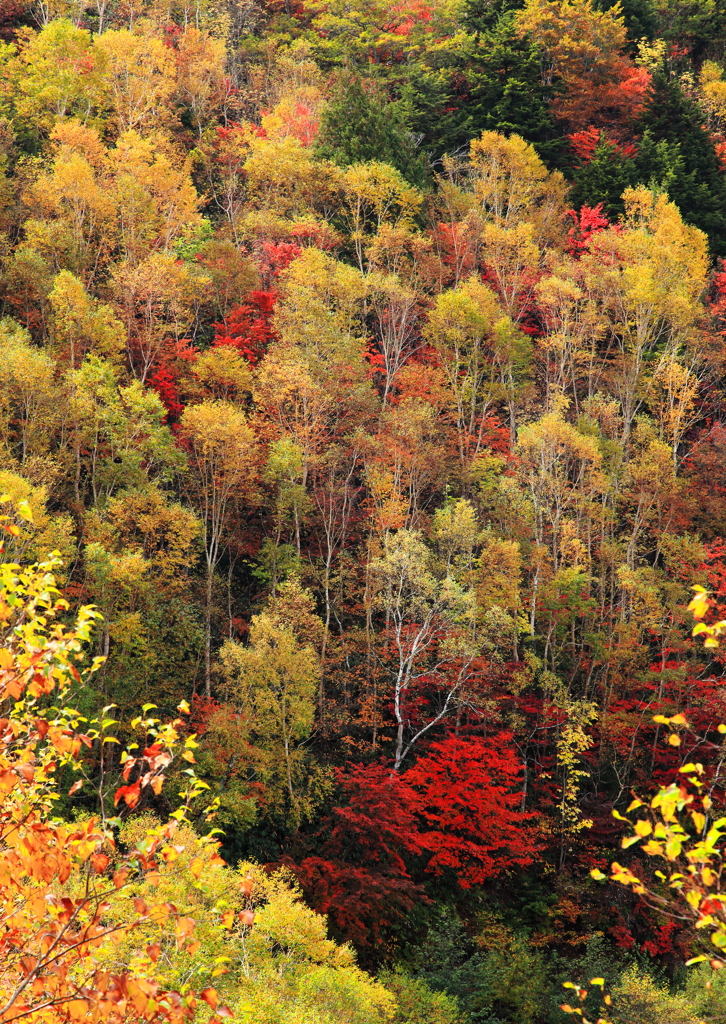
[59, 881]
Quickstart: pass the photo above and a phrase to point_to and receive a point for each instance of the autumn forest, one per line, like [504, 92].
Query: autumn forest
[362, 442]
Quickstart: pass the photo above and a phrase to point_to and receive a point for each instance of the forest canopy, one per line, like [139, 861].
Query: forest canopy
[364, 368]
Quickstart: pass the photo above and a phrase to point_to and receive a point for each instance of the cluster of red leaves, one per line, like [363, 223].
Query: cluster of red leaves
[468, 799]
[456, 245]
[413, 13]
[455, 812]
[248, 328]
[165, 378]
[164, 384]
[585, 223]
[611, 98]
[585, 142]
[719, 144]
[274, 256]
[360, 878]
[303, 123]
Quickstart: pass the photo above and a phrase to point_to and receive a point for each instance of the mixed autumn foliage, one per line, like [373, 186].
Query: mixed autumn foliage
[365, 367]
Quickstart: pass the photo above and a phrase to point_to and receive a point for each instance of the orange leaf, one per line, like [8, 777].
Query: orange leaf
[130, 794]
[209, 995]
[100, 862]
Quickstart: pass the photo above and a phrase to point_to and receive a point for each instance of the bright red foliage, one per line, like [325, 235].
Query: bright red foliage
[456, 245]
[273, 257]
[162, 381]
[456, 809]
[587, 222]
[360, 880]
[469, 804]
[249, 327]
[584, 143]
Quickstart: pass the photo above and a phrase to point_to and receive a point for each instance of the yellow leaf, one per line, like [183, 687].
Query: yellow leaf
[673, 848]
[699, 604]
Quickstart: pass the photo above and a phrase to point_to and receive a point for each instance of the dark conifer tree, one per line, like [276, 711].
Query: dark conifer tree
[677, 153]
[639, 15]
[480, 17]
[503, 86]
[361, 124]
[603, 179]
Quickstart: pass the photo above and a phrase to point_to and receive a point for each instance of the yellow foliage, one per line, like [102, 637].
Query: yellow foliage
[712, 89]
[29, 396]
[512, 185]
[82, 323]
[45, 535]
[376, 195]
[573, 34]
[139, 72]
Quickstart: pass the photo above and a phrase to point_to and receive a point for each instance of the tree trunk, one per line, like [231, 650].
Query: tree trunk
[208, 633]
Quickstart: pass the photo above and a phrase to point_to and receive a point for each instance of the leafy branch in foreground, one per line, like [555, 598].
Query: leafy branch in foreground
[58, 880]
[679, 831]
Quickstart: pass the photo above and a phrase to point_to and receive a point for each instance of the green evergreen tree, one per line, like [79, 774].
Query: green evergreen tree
[677, 153]
[604, 178]
[639, 15]
[481, 17]
[504, 92]
[431, 97]
[698, 25]
[361, 124]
